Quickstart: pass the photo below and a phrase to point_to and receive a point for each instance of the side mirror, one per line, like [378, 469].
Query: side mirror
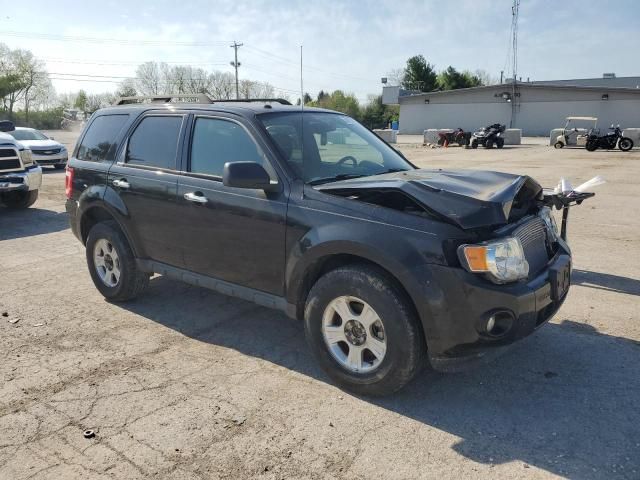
[247, 175]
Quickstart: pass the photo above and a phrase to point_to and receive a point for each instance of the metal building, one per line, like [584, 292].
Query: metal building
[534, 107]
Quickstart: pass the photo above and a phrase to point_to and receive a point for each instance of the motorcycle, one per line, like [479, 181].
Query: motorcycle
[458, 136]
[489, 136]
[608, 141]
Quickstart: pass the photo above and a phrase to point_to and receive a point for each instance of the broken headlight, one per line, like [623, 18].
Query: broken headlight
[502, 260]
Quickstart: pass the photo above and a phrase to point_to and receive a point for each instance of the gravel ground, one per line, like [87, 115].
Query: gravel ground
[185, 383]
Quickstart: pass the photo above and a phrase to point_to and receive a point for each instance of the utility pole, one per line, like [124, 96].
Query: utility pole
[236, 64]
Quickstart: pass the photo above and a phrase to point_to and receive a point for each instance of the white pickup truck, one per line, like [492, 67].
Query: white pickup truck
[20, 175]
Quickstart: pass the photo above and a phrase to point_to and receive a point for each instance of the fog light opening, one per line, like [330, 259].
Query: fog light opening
[499, 323]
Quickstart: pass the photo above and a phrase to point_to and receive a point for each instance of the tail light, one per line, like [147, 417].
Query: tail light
[68, 182]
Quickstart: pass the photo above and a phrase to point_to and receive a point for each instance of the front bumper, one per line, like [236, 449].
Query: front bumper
[27, 180]
[57, 159]
[458, 312]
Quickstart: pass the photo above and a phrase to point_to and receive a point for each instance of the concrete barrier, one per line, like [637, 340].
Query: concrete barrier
[633, 134]
[388, 135]
[431, 135]
[512, 136]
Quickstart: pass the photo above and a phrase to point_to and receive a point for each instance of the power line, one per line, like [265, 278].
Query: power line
[119, 41]
[132, 63]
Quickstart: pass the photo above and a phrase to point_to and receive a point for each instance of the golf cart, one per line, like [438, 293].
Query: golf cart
[568, 132]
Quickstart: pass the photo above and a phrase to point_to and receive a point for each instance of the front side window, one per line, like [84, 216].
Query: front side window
[100, 142]
[154, 142]
[216, 142]
[323, 147]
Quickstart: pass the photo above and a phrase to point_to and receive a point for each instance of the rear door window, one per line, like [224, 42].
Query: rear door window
[101, 140]
[154, 142]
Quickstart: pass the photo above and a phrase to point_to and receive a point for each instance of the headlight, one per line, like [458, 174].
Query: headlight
[26, 157]
[503, 260]
[547, 216]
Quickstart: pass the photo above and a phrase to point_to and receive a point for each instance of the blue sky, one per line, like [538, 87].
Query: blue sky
[347, 44]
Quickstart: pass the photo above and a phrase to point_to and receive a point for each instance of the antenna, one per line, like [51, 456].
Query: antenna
[301, 83]
[301, 111]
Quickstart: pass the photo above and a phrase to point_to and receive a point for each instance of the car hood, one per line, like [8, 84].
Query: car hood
[41, 144]
[467, 198]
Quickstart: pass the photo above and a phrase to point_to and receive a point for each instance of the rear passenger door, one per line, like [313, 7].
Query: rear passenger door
[145, 179]
[233, 234]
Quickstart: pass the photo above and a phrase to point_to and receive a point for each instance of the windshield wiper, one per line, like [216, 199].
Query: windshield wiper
[334, 178]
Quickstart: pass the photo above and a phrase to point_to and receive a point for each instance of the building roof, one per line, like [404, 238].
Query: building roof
[523, 85]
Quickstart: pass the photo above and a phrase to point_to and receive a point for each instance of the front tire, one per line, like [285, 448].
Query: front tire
[558, 145]
[112, 265]
[591, 146]
[363, 331]
[20, 200]
[625, 144]
[500, 142]
[474, 144]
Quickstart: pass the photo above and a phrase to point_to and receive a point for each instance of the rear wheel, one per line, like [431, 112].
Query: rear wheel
[625, 144]
[474, 144]
[20, 200]
[363, 331]
[112, 265]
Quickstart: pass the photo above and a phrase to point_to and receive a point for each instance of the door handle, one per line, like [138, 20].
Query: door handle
[121, 184]
[195, 197]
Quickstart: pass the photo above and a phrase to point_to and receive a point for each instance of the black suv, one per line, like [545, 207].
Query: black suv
[309, 212]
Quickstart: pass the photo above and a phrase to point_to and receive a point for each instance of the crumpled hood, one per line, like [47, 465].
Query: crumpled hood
[468, 198]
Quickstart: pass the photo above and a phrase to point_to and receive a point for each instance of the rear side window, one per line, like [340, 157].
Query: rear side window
[216, 142]
[100, 142]
[154, 142]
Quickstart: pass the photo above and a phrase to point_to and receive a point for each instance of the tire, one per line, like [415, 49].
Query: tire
[500, 143]
[591, 146]
[60, 166]
[488, 144]
[558, 145]
[396, 322]
[20, 200]
[625, 144]
[474, 144]
[131, 282]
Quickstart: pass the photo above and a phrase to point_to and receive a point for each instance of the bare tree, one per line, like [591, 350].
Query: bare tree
[149, 78]
[396, 77]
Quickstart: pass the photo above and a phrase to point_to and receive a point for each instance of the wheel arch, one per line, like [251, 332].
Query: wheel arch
[98, 213]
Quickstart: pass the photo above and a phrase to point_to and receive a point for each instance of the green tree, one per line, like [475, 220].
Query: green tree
[377, 115]
[81, 101]
[452, 79]
[419, 75]
[341, 102]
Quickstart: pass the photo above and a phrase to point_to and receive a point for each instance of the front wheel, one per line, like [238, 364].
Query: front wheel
[474, 144]
[112, 265]
[363, 330]
[558, 145]
[625, 144]
[591, 146]
[20, 200]
[500, 142]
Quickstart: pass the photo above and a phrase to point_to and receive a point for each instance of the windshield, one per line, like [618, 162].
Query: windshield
[28, 135]
[335, 146]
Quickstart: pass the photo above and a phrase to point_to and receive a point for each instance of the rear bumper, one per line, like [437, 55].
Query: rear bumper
[27, 180]
[456, 320]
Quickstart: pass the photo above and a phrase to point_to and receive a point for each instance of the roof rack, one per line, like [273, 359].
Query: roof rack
[198, 97]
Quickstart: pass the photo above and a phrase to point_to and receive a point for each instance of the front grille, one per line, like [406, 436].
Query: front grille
[533, 237]
[9, 160]
[48, 151]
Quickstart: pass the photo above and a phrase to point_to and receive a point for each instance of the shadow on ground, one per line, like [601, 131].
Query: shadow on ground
[605, 281]
[565, 400]
[30, 221]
